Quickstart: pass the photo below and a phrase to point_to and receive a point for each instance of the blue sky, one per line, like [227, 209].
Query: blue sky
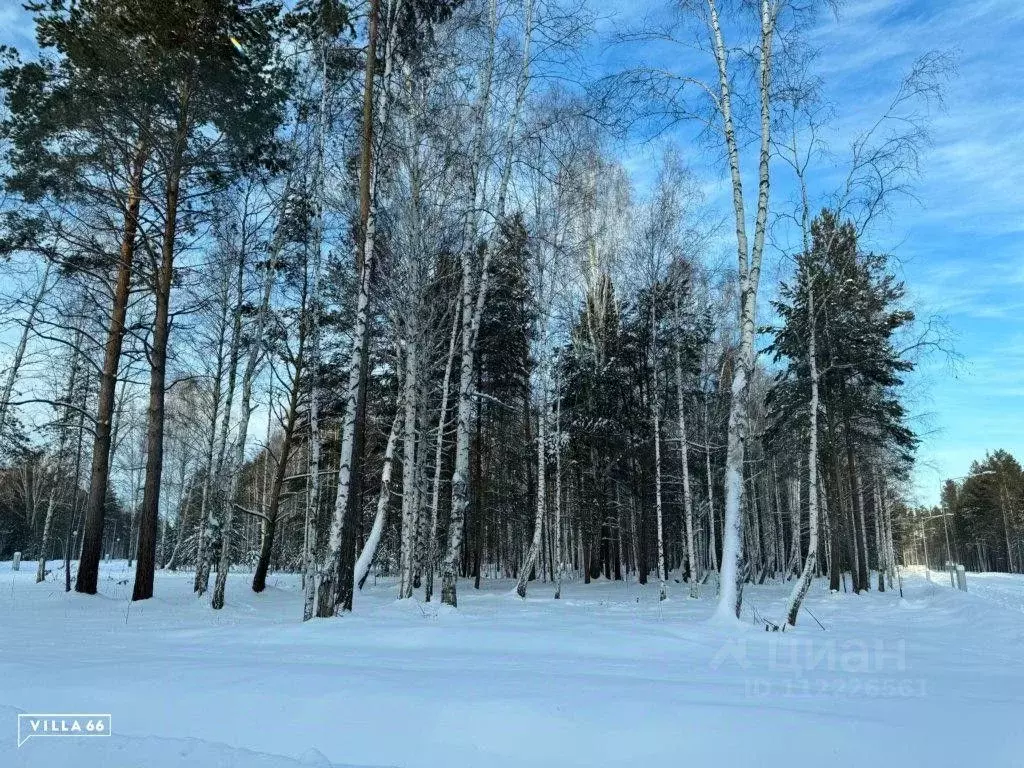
[959, 246]
[962, 247]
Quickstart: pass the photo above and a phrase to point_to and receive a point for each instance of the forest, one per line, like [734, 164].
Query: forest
[370, 290]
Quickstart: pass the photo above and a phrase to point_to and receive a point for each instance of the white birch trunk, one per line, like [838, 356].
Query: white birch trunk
[538, 518]
[473, 295]
[310, 572]
[309, 563]
[803, 584]
[712, 530]
[656, 414]
[51, 505]
[435, 494]
[472, 310]
[408, 533]
[684, 450]
[216, 457]
[44, 543]
[373, 539]
[235, 468]
[863, 526]
[795, 564]
[557, 533]
[422, 489]
[328, 590]
[730, 594]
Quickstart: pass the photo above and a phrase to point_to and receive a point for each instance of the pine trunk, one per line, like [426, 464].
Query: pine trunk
[92, 541]
[149, 520]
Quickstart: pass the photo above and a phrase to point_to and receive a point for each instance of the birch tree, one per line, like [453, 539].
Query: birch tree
[230, 472]
[330, 588]
[474, 287]
[749, 268]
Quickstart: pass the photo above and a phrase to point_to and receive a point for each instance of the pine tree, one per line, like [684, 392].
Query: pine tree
[845, 302]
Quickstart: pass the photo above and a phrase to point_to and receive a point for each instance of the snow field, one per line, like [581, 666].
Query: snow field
[606, 676]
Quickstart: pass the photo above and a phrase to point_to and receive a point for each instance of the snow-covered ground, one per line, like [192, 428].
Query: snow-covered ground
[606, 676]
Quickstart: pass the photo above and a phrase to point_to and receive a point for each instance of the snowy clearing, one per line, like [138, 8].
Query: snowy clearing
[603, 676]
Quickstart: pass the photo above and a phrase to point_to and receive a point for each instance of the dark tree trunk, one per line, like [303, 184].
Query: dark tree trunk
[149, 519]
[347, 557]
[478, 482]
[92, 541]
[863, 580]
[832, 483]
[259, 579]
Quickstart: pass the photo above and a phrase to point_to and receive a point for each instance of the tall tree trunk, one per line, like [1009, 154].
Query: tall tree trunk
[474, 294]
[335, 591]
[422, 488]
[478, 485]
[62, 442]
[557, 533]
[442, 419]
[538, 518]
[234, 468]
[859, 535]
[656, 414]
[51, 506]
[269, 522]
[803, 584]
[409, 523]
[865, 566]
[853, 542]
[709, 481]
[730, 597]
[310, 572]
[214, 480]
[92, 541]
[475, 291]
[879, 528]
[351, 529]
[779, 553]
[684, 451]
[795, 565]
[890, 548]
[205, 519]
[362, 567]
[183, 525]
[150, 516]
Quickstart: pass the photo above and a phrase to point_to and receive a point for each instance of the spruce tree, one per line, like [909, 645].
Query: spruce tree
[856, 311]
